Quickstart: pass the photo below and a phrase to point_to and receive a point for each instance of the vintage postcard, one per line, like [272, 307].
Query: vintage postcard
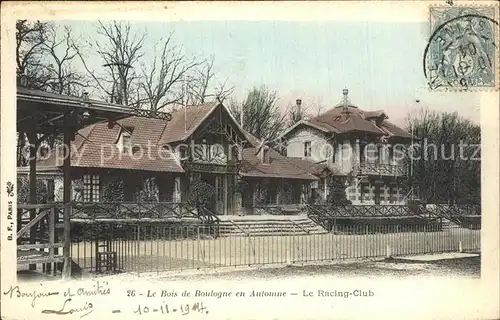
[250, 160]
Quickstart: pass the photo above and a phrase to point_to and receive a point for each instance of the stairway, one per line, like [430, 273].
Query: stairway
[269, 226]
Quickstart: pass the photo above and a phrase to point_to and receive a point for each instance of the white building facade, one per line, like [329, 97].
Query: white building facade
[361, 148]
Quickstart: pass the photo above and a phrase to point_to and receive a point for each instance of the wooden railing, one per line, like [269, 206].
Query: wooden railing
[210, 220]
[134, 210]
[368, 210]
[367, 168]
[193, 166]
[143, 210]
[37, 233]
[280, 209]
[463, 215]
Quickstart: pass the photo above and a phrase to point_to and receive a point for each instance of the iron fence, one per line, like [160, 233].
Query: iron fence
[143, 247]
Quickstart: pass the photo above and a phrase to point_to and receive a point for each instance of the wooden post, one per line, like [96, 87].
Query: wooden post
[66, 273]
[32, 137]
[225, 196]
[52, 225]
[388, 252]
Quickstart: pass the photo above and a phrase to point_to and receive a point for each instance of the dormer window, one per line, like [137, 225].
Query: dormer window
[126, 143]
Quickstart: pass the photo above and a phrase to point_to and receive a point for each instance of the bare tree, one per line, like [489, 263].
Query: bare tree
[120, 52]
[61, 53]
[312, 109]
[447, 166]
[261, 115]
[200, 82]
[30, 39]
[316, 107]
[162, 83]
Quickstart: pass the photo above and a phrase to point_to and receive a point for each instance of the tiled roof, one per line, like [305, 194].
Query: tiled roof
[86, 148]
[312, 167]
[99, 149]
[357, 120]
[278, 167]
[185, 121]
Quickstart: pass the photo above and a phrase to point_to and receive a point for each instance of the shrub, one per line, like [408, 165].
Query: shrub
[112, 191]
[241, 187]
[337, 195]
[201, 194]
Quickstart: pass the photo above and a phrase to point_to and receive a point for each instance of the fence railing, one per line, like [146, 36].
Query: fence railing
[154, 248]
[328, 215]
[141, 210]
[382, 169]
[368, 210]
[38, 240]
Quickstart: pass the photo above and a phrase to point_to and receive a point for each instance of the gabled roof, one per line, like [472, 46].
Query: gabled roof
[279, 166]
[185, 121]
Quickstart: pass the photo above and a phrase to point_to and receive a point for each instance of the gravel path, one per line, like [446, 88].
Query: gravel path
[467, 267]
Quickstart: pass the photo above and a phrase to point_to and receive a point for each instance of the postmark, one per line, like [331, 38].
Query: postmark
[462, 51]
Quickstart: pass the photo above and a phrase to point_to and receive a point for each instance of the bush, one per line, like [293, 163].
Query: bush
[241, 187]
[112, 191]
[201, 194]
[337, 195]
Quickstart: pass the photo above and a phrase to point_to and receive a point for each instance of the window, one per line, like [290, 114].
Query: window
[182, 152]
[91, 188]
[307, 149]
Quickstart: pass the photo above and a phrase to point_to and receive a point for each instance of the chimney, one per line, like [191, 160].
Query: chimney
[298, 104]
[264, 154]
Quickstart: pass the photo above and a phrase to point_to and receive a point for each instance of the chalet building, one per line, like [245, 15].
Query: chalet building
[362, 148]
[143, 159]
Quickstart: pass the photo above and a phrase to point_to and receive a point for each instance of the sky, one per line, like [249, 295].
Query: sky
[380, 63]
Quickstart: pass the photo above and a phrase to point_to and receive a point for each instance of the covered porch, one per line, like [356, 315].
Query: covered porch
[276, 196]
[43, 225]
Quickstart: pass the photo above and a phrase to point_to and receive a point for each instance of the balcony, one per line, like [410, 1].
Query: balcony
[379, 169]
[195, 166]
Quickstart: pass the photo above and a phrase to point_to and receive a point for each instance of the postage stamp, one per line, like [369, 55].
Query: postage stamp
[249, 160]
[462, 52]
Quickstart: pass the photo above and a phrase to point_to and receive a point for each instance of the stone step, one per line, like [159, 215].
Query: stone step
[269, 227]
